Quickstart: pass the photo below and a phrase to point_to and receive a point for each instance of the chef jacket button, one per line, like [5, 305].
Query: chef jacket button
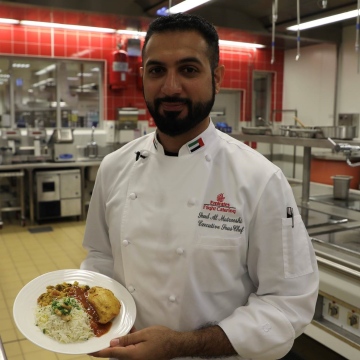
[131, 289]
[179, 251]
[207, 157]
[192, 202]
[172, 298]
[145, 154]
[132, 196]
[125, 242]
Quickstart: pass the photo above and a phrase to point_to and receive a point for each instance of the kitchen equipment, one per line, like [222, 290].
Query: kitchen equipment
[12, 137]
[5, 155]
[341, 186]
[36, 138]
[304, 132]
[92, 147]
[337, 132]
[299, 122]
[127, 118]
[349, 119]
[61, 144]
[257, 130]
[297, 131]
[287, 130]
[58, 193]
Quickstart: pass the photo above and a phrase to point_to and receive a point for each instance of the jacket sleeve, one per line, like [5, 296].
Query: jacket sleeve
[96, 239]
[282, 265]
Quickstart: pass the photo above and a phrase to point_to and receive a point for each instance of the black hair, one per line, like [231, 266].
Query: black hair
[187, 22]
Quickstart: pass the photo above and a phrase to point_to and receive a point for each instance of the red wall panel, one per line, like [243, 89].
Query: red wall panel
[34, 41]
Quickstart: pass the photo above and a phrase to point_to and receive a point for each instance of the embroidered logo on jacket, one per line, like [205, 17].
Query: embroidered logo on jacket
[196, 144]
[220, 205]
[213, 216]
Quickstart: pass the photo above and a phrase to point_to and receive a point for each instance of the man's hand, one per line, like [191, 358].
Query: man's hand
[152, 343]
[162, 343]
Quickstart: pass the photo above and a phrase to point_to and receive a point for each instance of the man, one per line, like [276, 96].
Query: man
[194, 223]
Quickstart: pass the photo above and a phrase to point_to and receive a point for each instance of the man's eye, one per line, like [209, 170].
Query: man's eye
[190, 70]
[156, 71]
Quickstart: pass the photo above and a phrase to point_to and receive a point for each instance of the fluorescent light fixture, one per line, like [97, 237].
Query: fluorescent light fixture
[66, 26]
[46, 69]
[44, 82]
[19, 65]
[53, 104]
[324, 21]
[240, 44]
[84, 74]
[9, 21]
[131, 32]
[186, 5]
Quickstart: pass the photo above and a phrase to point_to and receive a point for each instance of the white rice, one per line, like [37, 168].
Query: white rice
[76, 330]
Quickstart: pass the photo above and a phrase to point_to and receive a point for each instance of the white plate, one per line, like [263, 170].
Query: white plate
[26, 303]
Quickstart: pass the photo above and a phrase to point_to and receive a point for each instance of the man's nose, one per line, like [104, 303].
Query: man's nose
[171, 84]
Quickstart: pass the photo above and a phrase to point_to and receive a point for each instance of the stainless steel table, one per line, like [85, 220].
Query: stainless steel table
[31, 167]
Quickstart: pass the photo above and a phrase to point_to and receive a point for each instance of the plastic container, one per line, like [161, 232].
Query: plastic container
[341, 186]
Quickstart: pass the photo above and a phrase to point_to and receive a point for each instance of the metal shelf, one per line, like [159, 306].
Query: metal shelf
[285, 140]
[306, 143]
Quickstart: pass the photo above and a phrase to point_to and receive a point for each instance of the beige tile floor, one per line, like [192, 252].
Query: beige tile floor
[23, 257]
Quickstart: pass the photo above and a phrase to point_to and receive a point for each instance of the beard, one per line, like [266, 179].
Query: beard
[170, 123]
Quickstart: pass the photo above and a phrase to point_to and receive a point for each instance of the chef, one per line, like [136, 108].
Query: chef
[202, 230]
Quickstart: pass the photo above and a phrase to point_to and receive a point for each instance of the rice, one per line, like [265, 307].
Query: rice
[77, 329]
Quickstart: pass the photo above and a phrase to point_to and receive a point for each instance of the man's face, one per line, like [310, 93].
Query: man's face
[179, 87]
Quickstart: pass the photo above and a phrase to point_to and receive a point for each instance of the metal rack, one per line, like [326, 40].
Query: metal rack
[19, 176]
[306, 143]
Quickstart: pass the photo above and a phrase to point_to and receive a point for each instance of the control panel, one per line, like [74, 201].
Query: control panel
[339, 317]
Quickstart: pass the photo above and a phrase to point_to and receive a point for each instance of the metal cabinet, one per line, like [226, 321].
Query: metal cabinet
[58, 193]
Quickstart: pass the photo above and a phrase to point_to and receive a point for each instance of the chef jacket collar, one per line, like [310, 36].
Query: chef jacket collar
[198, 144]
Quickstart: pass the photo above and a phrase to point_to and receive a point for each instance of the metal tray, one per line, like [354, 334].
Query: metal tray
[297, 131]
[256, 130]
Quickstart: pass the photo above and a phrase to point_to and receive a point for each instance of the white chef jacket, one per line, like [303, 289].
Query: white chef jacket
[204, 238]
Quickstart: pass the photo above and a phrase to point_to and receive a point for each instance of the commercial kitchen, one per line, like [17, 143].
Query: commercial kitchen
[71, 93]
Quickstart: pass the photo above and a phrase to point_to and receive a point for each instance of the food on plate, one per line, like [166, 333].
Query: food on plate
[104, 302]
[71, 313]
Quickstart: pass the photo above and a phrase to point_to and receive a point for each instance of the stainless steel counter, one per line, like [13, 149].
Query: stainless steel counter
[337, 248]
[30, 168]
[335, 233]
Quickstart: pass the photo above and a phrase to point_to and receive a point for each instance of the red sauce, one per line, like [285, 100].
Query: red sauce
[80, 295]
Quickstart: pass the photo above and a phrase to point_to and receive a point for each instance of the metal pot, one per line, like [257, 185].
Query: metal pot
[341, 186]
[337, 132]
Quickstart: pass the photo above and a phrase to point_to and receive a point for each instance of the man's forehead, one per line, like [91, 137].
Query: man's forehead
[176, 43]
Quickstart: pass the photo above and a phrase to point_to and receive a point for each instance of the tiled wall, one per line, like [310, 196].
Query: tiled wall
[44, 42]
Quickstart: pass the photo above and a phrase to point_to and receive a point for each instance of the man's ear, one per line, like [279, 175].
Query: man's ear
[219, 76]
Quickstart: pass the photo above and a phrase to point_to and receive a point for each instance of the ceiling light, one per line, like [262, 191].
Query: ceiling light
[131, 32]
[240, 44]
[84, 74]
[9, 21]
[325, 20]
[186, 5]
[46, 70]
[19, 65]
[66, 26]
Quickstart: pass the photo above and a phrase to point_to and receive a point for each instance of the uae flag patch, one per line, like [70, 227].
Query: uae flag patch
[195, 145]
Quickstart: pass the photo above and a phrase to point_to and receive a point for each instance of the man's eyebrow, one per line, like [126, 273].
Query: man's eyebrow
[179, 62]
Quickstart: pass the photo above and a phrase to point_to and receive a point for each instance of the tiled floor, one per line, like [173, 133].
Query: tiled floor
[23, 257]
